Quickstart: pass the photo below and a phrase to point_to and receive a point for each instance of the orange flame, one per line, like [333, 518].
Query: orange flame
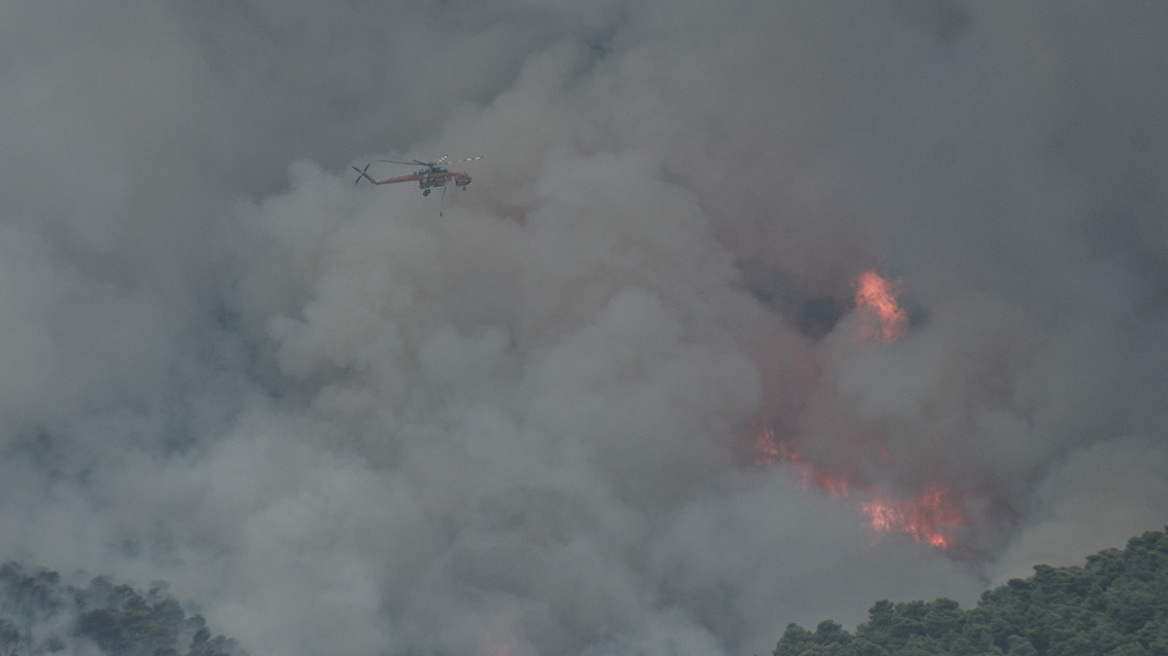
[876, 298]
[926, 519]
[835, 485]
[768, 450]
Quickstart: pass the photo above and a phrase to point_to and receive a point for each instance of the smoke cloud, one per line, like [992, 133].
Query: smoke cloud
[341, 422]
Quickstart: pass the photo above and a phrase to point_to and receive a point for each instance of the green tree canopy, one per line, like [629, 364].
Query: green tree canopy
[1114, 605]
[39, 615]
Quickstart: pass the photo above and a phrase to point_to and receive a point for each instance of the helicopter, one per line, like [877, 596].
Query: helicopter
[432, 174]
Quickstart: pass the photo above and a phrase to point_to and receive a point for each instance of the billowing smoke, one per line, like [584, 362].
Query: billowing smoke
[618, 398]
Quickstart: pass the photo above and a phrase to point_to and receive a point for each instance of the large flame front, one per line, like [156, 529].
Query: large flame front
[882, 318]
[928, 518]
[931, 515]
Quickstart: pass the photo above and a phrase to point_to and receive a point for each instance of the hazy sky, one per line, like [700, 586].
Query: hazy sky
[341, 423]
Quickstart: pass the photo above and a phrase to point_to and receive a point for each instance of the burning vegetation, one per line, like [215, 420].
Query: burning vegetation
[881, 316]
[929, 515]
[927, 518]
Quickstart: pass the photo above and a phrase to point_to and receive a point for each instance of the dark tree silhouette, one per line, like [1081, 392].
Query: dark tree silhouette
[1115, 605]
[40, 615]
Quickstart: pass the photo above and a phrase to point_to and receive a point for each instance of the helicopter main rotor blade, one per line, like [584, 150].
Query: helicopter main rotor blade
[441, 161]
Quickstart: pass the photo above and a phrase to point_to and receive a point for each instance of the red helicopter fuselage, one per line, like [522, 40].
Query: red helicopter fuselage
[426, 180]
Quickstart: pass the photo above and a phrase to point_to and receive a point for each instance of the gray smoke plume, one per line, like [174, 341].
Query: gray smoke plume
[342, 423]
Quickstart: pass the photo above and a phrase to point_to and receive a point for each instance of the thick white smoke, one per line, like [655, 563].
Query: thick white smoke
[343, 423]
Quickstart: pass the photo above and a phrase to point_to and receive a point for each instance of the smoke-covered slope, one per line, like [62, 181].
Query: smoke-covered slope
[39, 614]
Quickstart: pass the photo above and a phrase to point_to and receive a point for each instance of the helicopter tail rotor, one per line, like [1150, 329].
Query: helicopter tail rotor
[362, 173]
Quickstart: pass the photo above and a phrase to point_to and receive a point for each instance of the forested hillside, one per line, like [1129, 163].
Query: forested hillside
[1115, 605]
[39, 614]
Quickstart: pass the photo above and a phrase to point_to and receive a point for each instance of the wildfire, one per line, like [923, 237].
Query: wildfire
[876, 299]
[929, 517]
[766, 448]
[926, 519]
[769, 450]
